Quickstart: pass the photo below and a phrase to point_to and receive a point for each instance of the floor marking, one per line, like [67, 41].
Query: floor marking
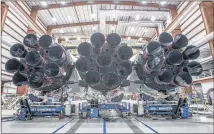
[74, 128]
[147, 126]
[133, 127]
[61, 127]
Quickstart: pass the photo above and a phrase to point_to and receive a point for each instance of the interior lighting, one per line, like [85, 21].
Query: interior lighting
[61, 31]
[92, 16]
[146, 30]
[153, 18]
[69, 18]
[137, 17]
[163, 3]
[44, 3]
[75, 30]
[78, 38]
[143, 2]
[54, 19]
[140, 39]
[129, 38]
[94, 28]
[112, 28]
[63, 2]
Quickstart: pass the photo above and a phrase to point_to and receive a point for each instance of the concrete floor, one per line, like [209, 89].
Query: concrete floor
[130, 125]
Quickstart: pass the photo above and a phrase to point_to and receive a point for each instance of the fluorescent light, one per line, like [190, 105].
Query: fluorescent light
[78, 38]
[140, 39]
[143, 2]
[92, 16]
[54, 19]
[112, 28]
[129, 38]
[137, 17]
[163, 3]
[153, 18]
[66, 39]
[61, 31]
[44, 3]
[63, 2]
[69, 18]
[75, 30]
[114, 16]
[146, 30]
[94, 28]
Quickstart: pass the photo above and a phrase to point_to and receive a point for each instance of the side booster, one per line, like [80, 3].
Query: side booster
[165, 64]
[44, 65]
[104, 66]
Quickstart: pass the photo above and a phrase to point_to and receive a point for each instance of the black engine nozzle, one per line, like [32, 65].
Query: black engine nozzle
[18, 50]
[124, 68]
[113, 40]
[104, 59]
[191, 53]
[56, 53]
[125, 52]
[174, 57]
[180, 41]
[19, 79]
[165, 39]
[165, 77]
[45, 41]
[82, 64]
[111, 80]
[92, 78]
[31, 41]
[194, 68]
[84, 49]
[36, 80]
[51, 69]
[183, 79]
[97, 40]
[13, 65]
[34, 58]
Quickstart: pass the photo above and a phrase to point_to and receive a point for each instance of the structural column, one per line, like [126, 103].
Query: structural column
[177, 30]
[33, 15]
[4, 10]
[207, 11]
[49, 31]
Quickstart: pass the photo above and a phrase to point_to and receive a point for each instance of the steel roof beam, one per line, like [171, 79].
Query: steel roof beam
[121, 3]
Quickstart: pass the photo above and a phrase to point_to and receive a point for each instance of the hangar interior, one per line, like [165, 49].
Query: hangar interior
[108, 66]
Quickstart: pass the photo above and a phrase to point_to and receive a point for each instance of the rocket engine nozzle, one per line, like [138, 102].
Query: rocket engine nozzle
[104, 59]
[113, 40]
[124, 68]
[19, 79]
[13, 65]
[154, 48]
[165, 39]
[36, 80]
[183, 79]
[111, 80]
[191, 53]
[31, 41]
[84, 49]
[56, 53]
[51, 69]
[165, 77]
[125, 52]
[174, 57]
[18, 50]
[45, 41]
[180, 41]
[34, 58]
[92, 78]
[82, 64]
[194, 68]
[97, 40]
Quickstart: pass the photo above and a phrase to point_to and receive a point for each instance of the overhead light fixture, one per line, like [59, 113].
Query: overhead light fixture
[66, 39]
[163, 3]
[75, 30]
[112, 28]
[44, 3]
[94, 28]
[137, 17]
[61, 31]
[143, 2]
[78, 38]
[146, 30]
[54, 19]
[63, 2]
[114, 16]
[129, 38]
[69, 18]
[153, 18]
[140, 39]
[92, 16]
